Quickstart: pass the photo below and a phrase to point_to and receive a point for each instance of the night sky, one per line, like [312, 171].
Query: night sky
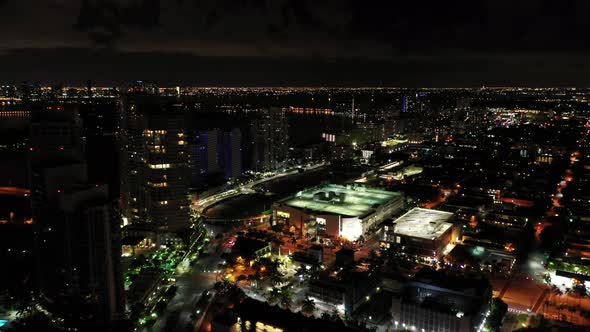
[297, 42]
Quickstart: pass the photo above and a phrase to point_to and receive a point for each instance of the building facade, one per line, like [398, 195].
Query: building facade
[423, 232]
[437, 302]
[156, 174]
[347, 211]
[269, 140]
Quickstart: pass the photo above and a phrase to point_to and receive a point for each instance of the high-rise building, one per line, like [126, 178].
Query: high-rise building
[230, 153]
[404, 104]
[212, 151]
[216, 152]
[155, 163]
[101, 119]
[414, 103]
[76, 226]
[270, 140]
[199, 155]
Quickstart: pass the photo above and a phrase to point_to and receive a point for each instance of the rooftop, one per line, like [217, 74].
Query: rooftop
[393, 142]
[248, 246]
[423, 223]
[472, 285]
[262, 312]
[350, 200]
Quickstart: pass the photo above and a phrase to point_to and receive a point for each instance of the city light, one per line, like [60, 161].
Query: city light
[294, 208]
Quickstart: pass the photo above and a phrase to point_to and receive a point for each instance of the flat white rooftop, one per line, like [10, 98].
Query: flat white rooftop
[423, 223]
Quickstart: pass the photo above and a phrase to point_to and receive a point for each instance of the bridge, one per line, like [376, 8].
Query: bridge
[247, 188]
[259, 218]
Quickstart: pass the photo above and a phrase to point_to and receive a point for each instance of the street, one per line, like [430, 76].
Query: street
[191, 286]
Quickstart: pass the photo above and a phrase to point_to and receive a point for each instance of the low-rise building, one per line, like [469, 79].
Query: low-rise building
[250, 248]
[252, 315]
[423, 232]
[335, 210]
[440, 302]
[347, 291]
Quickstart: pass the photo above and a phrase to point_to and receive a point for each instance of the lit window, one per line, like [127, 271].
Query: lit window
[158, 184]
[159, 166]
[282, 214]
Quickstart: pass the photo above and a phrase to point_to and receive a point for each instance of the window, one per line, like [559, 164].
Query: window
[159, 166]
[158, 184]
[282, 214]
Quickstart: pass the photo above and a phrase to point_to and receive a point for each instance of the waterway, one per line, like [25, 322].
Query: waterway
[249, 205]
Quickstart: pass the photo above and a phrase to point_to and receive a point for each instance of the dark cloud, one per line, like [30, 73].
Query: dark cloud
[105, 20]
[355, 34]
[118, 68]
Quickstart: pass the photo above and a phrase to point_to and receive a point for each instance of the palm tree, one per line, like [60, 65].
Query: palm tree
[315, 269]
[301, 270]
[253, 279]
[308, 306]
[275, 278]
[275, 264]
[273, 295]
[286, 297]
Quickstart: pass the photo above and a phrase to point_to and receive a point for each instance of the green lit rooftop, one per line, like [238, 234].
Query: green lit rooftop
[351, 201]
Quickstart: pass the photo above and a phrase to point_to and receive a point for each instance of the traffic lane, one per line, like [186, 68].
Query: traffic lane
[192, 284]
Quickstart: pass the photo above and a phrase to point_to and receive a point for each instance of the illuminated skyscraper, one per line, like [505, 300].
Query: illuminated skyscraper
[156, 175]
[270, 140]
